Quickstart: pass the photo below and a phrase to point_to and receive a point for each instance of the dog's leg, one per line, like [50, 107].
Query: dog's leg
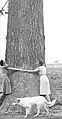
[27, 112]
[38, 110]
[46, 109]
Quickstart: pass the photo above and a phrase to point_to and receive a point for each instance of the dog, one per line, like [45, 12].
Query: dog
[27, 103]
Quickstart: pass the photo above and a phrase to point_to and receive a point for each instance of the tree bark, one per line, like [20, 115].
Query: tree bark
[25, 35]
[25, 43]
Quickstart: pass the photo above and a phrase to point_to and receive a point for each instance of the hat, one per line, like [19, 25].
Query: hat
[3, 64]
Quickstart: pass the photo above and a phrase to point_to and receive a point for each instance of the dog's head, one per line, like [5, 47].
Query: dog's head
[16, 101]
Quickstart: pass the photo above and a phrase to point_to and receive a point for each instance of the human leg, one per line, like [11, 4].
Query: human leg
[2, 97]
[1, 94]
[7, 86]
[48, 97]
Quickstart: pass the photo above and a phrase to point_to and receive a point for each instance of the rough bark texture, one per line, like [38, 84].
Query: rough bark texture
[25, 44]
[25, 36]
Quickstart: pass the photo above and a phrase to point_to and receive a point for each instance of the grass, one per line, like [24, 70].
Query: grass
[55, 77]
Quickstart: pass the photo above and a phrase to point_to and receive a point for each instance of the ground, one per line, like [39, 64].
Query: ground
[55, 78]
[55, 113]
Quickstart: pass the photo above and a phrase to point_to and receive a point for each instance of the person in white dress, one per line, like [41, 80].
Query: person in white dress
[44, 81]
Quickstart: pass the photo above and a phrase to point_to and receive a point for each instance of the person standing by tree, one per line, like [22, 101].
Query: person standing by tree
[44, 81]
[5, 86]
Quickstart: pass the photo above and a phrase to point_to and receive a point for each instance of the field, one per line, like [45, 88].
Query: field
[16, 112]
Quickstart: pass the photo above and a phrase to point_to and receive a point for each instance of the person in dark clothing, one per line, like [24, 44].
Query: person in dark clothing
[5, 86]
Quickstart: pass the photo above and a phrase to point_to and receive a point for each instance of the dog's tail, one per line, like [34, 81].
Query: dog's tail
[50, 104]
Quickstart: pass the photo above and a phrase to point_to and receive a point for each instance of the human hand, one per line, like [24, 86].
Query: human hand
[21, 69]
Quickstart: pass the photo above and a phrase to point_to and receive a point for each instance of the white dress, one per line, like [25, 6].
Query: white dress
[44, 81]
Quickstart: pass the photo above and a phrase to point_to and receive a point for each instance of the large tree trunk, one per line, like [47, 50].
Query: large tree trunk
[25, 36]
[25, 44]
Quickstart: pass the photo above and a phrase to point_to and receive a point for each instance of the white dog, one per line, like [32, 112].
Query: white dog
[40, 101]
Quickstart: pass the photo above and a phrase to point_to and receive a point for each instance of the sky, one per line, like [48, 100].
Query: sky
[52, 12]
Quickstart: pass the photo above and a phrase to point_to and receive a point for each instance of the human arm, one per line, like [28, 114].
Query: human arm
[5, 66]
[30, 71]
[22, 70]
[14, 69]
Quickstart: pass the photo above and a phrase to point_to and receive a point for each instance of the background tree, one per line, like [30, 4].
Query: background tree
[25, 42]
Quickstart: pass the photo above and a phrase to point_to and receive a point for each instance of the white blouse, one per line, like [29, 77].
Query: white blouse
[41, 69]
